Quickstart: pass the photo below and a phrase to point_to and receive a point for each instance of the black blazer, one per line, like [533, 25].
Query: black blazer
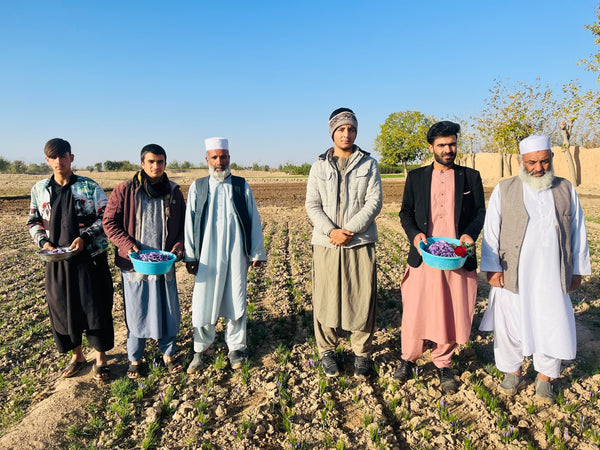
[469, 207]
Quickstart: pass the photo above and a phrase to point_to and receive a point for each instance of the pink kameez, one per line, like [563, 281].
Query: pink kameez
[438, 304]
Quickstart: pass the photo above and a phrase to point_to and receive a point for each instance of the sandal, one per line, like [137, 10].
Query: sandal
[73, 368]
[173, 365]
[101, 373]
[134, 371]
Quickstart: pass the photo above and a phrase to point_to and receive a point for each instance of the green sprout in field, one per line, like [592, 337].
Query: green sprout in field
[245, 372]
[509, 435]
[166, 408]
[468, 442]
[568, 407]
[296, 444]
[374, 433]
[356, 396]
[342, 383]
[287, 414]
[323, 385]
[243, 427]
[220, 361]
[151, 439]
[285, 355]
[531, 408]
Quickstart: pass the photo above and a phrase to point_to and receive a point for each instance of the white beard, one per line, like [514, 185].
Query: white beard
[537, 183]
[219, 175]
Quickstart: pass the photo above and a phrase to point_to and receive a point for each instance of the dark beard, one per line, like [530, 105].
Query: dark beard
[440, 160]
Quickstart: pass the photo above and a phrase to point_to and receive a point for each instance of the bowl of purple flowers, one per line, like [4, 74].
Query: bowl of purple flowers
[152, 262]
[56, 254]
[444, 253]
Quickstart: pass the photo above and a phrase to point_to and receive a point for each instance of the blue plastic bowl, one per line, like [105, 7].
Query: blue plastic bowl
[441, 262]
[152, 268]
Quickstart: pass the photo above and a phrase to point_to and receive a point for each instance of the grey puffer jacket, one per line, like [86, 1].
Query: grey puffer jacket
[362, 193]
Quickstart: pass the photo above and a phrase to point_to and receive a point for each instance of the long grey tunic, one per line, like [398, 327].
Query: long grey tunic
[151, 301]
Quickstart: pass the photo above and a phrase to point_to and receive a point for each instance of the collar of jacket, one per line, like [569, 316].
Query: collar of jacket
[329, 152]
[72, 180]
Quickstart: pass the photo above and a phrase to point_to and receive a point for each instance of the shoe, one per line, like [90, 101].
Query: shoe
[329, 364]
[362, 367]
[511, 384]
[237, 358]
[543, 392]
[199, 362]
[447, 383]
[405, 371]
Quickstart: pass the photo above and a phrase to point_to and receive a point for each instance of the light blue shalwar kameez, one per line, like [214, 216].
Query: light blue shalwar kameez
[220, 284]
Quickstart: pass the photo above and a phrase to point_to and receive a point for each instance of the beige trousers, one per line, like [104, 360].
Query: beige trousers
[344, 296]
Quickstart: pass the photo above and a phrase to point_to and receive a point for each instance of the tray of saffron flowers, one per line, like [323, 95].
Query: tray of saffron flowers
[56, 254]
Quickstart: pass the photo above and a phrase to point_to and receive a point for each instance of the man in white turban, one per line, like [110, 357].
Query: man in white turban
[534, 251]
[223, 237]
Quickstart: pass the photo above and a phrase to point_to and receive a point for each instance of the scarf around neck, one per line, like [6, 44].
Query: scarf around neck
[160, 189]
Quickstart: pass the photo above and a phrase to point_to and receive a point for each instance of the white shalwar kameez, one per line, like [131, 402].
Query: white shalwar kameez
[539, 320]
[220, 284]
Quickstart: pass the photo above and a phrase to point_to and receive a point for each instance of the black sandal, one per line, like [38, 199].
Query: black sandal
[73, 368]
[134, 371]
[101, 373]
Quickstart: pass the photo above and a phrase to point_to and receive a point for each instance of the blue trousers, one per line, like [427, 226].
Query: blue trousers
[136, 346]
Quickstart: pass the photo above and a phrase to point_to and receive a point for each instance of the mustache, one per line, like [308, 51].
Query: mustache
[537, 172]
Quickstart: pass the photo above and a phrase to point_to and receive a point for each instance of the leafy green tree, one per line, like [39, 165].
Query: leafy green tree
[4, 165]
[592, 64]
[575, 106]
[173, 165]
[468, 140]
[18, 166]
[292, 169]
[119, 166]
[98, 166]
[402, 138]
[35, 169]
[512, 113]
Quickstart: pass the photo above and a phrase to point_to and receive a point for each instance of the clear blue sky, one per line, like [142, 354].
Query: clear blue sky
[112, 76]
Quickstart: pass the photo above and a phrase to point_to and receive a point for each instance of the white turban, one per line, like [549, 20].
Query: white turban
[216, 143]
[534, 143]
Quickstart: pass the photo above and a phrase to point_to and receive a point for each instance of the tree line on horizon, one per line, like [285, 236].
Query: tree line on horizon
[20, 167]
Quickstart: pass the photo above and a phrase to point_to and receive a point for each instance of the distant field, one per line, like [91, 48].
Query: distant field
[281, 399]
[20, 184]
